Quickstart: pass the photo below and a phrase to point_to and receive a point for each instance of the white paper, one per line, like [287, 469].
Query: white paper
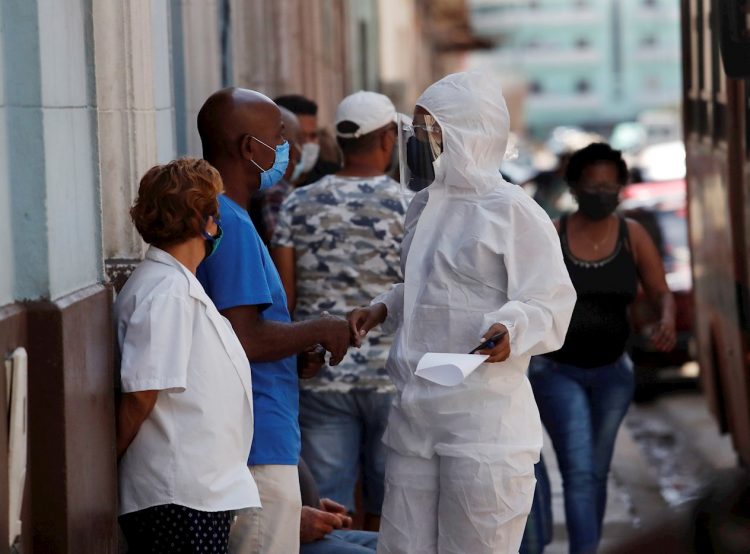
[448, 370]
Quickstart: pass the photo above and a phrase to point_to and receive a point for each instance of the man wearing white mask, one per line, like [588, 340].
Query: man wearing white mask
[480, 260]
[313, 166]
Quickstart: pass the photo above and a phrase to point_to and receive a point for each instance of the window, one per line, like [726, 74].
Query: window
[583, 86]
[652, 83]
[649, 41]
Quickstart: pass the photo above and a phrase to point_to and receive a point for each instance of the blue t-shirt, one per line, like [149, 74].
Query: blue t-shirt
[241, 273]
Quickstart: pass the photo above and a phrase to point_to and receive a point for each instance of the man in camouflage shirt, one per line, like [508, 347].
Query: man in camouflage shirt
[336, 245]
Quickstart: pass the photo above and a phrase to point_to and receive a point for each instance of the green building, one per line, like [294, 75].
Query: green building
[583, 62]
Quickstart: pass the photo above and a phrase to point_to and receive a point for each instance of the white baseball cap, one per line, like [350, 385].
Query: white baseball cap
[368, 111]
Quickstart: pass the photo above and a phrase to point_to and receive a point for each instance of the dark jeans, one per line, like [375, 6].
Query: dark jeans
[538, 531]
[582, 409]
[343, 542]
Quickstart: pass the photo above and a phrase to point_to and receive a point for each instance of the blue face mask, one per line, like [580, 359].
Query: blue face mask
[269, 177]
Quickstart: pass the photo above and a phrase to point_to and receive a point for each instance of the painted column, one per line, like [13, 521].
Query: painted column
[135, 115]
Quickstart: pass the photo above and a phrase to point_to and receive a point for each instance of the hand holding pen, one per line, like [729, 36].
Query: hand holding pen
[496, 344]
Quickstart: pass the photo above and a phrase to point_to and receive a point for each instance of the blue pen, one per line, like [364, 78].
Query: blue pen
[490, 342]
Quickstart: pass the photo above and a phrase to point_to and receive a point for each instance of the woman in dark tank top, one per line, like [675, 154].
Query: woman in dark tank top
[584, 389]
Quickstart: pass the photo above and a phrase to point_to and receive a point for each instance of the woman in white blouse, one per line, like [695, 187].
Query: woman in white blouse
[184, 425]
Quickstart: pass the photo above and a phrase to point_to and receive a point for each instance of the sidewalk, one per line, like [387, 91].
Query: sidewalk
[637, 486]
[633, 499]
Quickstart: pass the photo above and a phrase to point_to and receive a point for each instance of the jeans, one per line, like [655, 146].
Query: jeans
[342, 432]
[343, 542]
[538, 531]
[582, 409]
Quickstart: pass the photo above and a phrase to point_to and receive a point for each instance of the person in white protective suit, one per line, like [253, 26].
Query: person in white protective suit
[479, 257]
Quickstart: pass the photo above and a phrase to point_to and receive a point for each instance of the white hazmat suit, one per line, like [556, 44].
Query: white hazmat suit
[478, 251]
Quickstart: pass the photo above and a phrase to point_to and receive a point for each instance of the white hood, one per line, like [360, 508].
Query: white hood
[474, 119]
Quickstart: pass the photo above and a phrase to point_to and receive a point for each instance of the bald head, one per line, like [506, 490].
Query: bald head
[229, 115]
[240, 130]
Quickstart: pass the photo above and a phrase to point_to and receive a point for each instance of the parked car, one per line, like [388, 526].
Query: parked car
[661, 208]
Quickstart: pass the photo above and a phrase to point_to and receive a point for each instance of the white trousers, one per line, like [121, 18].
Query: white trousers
[452, 505]
[274, 529]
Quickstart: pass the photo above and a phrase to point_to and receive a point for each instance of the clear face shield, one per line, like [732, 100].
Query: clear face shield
[420, 142]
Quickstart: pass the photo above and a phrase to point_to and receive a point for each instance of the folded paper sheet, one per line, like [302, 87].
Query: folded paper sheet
[448, 369]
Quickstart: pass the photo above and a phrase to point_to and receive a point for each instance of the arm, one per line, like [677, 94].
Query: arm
[654, 282]
[155, 356]
[132, 410]
[284, 259]
[266, 341]
[541, 297]
[393, 301]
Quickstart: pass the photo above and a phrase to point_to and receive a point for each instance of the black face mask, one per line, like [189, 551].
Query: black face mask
[419, 159]
[597, 205]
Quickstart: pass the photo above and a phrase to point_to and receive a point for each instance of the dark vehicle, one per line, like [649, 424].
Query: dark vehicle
[661, 208]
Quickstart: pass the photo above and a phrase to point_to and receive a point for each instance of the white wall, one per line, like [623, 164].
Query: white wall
[49, 149]
[25, 148]
[72, 183]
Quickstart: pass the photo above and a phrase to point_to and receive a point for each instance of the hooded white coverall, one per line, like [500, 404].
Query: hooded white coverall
[478, 251]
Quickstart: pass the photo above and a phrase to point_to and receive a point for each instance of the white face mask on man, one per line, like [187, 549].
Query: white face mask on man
[310, 152]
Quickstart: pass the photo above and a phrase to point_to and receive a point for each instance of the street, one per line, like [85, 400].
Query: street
[666, 450]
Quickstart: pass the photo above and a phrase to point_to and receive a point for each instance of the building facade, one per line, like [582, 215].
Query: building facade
[584, 62]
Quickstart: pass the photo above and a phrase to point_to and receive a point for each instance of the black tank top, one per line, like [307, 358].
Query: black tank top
[599, 328]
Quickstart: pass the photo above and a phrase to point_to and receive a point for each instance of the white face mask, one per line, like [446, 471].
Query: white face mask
[310, 152]
[298, 171]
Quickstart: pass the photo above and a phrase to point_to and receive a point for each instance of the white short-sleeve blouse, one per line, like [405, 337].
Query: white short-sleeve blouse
[192, 449]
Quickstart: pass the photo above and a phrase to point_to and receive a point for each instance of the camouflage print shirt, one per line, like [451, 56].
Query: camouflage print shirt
[346, 233]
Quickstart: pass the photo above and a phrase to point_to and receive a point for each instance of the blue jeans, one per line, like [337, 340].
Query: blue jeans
[342, 432]
[538, 531]
[343, 542]
[582, 409]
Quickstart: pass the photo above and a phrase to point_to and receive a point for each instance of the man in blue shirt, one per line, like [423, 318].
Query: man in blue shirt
[242, 136]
